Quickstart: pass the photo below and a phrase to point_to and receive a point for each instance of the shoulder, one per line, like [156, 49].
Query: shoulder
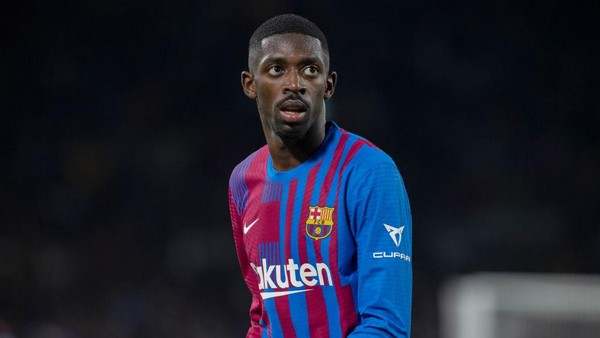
[364, 156]
[241, 169]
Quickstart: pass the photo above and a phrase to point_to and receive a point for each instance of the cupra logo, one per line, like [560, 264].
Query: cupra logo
[395, 233]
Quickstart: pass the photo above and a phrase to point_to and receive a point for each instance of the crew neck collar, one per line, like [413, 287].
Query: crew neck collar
[287, 175]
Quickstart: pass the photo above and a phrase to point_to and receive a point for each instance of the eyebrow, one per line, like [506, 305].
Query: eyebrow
[306, 60]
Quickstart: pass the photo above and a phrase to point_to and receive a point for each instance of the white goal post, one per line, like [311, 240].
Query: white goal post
[515, 305]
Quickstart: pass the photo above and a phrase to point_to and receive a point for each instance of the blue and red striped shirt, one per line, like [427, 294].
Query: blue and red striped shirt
[325, 248]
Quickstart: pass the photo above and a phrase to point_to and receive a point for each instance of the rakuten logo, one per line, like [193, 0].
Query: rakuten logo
[290, 275]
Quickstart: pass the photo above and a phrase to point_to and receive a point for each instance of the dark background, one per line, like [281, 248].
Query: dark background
[122, 121]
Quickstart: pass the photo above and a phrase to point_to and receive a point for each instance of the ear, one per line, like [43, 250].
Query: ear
[331, 81]
[248, 84]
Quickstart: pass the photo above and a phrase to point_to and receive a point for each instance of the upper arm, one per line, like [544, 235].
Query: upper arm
[382, 226]
[238, 236]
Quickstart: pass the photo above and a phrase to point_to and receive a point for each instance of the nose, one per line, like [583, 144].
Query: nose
[294, 83]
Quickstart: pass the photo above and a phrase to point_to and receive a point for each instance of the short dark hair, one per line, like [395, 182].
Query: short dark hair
[287, 23]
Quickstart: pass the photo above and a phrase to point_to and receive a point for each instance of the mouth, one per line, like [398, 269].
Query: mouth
[292, 111]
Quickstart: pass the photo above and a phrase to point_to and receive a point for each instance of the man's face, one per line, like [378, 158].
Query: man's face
[289, 79]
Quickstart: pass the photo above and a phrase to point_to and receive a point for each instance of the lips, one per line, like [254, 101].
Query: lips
[293, 111]
[295, 106]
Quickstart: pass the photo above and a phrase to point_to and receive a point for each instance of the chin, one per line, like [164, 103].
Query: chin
[290, 135]
[291, 132]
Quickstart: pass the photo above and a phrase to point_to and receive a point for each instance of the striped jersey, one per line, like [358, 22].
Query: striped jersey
[325, 248]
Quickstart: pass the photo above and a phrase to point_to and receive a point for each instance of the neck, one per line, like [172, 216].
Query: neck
[288, 154]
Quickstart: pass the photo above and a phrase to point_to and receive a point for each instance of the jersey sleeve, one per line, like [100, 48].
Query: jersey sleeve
[256, 305]
[382, 226]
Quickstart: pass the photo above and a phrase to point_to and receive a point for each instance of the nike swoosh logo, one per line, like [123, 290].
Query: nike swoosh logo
[247, 227]
[267, 295]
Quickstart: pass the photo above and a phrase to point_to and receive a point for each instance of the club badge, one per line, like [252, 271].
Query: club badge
[320, 222]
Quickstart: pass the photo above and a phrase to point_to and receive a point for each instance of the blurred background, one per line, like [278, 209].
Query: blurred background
[124, 119]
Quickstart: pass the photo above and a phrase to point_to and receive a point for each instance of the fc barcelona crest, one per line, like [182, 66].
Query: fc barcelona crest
[319, 222]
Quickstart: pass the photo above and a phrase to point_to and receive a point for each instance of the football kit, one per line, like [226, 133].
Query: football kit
[325, 248]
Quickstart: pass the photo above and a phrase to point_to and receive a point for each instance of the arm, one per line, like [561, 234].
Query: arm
[384, 265]
[256, 305]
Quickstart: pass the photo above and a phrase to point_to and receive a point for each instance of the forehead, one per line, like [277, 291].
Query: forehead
[290, 45]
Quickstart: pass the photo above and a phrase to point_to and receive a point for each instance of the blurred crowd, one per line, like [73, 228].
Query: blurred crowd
[123, 121]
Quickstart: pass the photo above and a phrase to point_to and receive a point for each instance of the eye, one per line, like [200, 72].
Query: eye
[310, 71]
[275, 70]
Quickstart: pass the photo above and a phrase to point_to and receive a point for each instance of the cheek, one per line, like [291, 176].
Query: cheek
[264, 102]
[319, 93]
[265, 95]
